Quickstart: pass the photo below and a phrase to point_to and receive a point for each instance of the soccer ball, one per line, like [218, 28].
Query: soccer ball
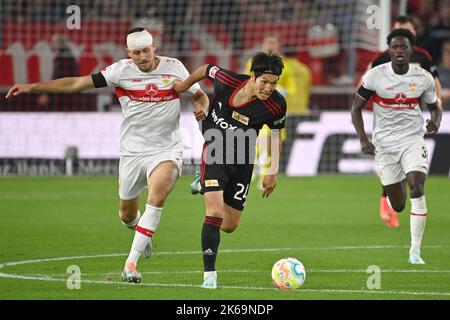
[288, 274]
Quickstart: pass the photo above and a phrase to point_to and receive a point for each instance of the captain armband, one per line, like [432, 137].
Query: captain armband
[365, 93]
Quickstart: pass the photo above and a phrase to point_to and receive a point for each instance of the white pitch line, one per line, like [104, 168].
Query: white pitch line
[16, 263]
[49, 278]
[305, 248]
[381, 270]
[16, 276]
[239, 271]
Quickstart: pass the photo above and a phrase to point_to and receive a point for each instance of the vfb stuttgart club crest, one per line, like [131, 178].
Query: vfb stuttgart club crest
[400, 98]
[151, 89]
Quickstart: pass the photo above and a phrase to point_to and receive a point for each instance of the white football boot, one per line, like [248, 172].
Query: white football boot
[130, 274]
[209, 282]
[414, 258]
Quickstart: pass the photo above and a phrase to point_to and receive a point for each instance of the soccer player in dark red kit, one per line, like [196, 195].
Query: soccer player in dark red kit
[242, 105]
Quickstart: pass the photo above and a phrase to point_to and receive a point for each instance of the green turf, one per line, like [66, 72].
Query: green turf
[330, 223]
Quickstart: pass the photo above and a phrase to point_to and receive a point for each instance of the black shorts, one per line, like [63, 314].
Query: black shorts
[233, 179]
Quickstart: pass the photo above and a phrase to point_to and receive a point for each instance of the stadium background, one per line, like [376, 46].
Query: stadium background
[328, 220]
[78, 133]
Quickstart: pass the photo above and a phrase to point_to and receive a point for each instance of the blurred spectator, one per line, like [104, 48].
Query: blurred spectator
[339, 16]
[440, 31]
[271, 43]
[227, 13]
[295, 81]
[295, 10]
[444, 74]
[421, 30]
[173, 13]
[424, 8]
[48, 10]
[298, 82]
[280, 11]
[108, 10]
[258, 11]
[64, 65]
[194, 12]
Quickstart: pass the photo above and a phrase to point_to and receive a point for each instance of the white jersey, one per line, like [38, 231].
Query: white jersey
[150, 106]
[397, 119]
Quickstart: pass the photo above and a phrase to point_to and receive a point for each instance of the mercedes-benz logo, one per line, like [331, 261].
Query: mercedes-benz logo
[400, 98]
[151, 89]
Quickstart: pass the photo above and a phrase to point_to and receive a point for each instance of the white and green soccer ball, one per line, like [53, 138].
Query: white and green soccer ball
[288, 274]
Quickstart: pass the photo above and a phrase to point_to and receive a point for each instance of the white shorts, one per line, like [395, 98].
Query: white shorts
[394, 164]
[135, 170]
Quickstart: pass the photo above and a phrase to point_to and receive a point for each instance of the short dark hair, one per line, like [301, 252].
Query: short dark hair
[138, 29]
[401, 33]
[264, 62]
[404, 19]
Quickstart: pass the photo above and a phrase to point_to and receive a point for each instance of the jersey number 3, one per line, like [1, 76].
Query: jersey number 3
[424, 152]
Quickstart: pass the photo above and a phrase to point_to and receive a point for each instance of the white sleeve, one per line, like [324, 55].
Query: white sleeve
[112, 73]
[429, 95]
[368, 80]
[184, 74]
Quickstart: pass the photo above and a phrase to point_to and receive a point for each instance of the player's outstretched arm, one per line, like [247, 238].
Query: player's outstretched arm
[358, 122]
[196, 76]
[62, 85]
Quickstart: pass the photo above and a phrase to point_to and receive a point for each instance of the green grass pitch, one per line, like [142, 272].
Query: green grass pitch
[330, 223]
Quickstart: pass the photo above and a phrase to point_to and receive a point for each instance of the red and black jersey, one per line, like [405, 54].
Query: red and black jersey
[419, 56]
[223, 115]
[246, 119]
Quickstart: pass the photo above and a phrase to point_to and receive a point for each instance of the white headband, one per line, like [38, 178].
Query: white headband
[139, 40]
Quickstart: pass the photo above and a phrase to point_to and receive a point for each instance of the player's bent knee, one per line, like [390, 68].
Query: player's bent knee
[229, 224]
[216, 211]
[130, 220]
[127, 215]
[416, 191]
[125, 218]
[416, 194]
[228, 228]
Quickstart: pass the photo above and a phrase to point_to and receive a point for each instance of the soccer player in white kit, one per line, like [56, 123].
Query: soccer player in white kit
[419, 57]
[150, 143]
[400, 152]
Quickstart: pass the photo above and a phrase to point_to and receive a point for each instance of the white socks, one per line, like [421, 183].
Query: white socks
[208, 274]
[417, 222]
[144, 230]
[150, 218]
